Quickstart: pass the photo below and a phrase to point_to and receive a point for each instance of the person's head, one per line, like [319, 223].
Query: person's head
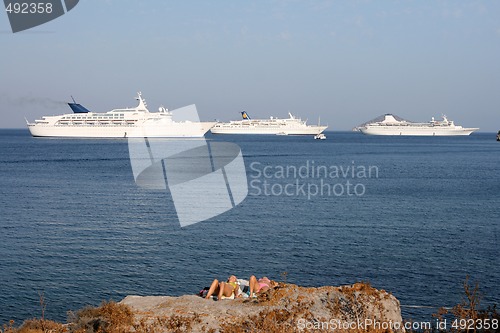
[232, 278]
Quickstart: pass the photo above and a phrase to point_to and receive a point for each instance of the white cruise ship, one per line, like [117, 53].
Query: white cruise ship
[393, 125]
[277, 126]
[119, 123]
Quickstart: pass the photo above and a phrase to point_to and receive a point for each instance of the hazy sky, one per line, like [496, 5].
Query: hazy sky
[346, 61]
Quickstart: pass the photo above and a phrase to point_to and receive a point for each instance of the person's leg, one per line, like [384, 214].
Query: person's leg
[225, 289]
[253, 284]
[222, 290]
[214, 288]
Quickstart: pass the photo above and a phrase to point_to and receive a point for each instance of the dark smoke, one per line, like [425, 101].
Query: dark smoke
[32, 101]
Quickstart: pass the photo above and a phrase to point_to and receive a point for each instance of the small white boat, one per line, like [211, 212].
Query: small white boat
[320, 136]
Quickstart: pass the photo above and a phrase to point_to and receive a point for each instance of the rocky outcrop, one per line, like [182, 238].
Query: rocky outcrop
[286, 308]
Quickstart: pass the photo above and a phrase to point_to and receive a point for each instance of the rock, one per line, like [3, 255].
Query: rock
[286, 308]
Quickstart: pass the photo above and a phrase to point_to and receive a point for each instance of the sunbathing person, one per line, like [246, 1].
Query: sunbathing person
[229, 289]
[260, 285]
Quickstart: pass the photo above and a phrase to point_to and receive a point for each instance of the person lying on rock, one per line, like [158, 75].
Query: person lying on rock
[229, 289]
[261, 285]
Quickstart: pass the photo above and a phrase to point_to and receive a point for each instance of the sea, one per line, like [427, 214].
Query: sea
[415, 216]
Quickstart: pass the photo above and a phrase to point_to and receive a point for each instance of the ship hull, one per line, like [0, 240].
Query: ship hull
[310, 130]
[419, 131]
[191, 130]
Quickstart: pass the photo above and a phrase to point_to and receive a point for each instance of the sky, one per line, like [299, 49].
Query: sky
[345, 62]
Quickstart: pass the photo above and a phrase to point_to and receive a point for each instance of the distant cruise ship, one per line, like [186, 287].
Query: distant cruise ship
[277, 126]
[392, 126]
[117, 123]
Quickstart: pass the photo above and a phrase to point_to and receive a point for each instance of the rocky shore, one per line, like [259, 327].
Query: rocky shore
[286, 308]
[283, 308]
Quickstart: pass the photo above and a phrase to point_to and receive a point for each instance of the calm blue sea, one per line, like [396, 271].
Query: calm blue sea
[74, 225]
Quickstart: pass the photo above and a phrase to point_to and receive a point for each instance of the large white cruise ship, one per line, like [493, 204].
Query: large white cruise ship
[119, 123]
[391, 125]
[277, 126]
